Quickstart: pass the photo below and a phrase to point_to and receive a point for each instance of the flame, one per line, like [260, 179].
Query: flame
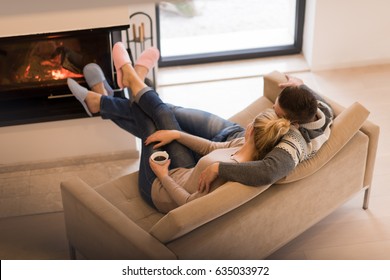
[27, 71]
[58, 74]
[53, 74]
[62, 73]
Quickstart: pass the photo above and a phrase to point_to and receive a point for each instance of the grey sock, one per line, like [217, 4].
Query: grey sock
[93, 74]
[79, 92]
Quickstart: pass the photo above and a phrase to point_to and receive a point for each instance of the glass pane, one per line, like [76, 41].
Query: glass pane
[191, 27]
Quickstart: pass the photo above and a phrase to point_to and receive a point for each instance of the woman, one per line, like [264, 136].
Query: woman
[176, 182]
[175, 187]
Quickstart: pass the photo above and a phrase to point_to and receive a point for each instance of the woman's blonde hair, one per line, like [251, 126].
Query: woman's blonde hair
[268, 129]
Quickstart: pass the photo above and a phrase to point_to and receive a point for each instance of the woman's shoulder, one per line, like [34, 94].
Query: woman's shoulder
[237, 142]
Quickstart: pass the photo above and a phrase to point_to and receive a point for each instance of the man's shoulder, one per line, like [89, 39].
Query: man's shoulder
[294, 144]
[326, 109]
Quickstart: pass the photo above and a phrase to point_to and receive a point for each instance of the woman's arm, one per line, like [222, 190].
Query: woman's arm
[197, 144]
[175, 191]
[204, 146]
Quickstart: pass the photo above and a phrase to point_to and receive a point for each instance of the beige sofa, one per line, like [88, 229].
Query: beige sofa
[235, 221]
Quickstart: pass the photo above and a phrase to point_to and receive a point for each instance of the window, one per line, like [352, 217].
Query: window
[199, 31]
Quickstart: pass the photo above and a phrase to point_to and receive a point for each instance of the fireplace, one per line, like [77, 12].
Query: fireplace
[34, 70]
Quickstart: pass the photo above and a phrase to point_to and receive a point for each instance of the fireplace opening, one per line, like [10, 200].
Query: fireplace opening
[34, 70]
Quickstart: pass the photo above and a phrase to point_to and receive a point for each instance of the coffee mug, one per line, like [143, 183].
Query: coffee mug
[160, 157]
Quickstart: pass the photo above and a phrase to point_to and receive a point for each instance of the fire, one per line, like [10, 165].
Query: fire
[57, 75]
[26, 71]
[49, 74]
[62, 73]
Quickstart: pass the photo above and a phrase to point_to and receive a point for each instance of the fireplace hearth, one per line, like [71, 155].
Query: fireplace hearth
[34, 70]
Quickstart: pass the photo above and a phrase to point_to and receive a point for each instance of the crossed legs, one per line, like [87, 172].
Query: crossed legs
[120, 111]
[128, 76]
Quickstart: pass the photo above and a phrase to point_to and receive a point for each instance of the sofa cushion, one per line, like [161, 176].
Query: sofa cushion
[124, 195]
[344, 127]
[200, 211]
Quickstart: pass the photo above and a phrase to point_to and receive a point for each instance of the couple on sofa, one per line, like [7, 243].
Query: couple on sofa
[266, 151]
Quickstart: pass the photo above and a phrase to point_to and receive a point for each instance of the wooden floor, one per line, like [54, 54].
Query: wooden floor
[348, 233]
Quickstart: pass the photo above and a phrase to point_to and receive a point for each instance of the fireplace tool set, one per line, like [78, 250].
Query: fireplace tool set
[140, 38]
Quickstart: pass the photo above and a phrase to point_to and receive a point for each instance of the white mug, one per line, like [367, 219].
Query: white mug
[160, 157]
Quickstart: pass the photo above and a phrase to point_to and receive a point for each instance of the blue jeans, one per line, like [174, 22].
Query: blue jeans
[192, 121]
[150, 114]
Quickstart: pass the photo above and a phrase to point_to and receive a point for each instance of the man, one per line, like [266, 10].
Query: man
[312, 119]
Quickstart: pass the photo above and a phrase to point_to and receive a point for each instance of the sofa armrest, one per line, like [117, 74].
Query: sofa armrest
[271, 84]
[200, 211]
[100, 231]
[372, 131]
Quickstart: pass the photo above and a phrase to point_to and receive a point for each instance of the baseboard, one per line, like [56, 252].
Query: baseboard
[24, 166]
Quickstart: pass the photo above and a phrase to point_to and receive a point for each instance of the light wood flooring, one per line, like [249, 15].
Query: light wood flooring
[348, 233]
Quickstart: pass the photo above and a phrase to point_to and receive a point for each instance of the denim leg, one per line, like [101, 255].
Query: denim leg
[192, 121]
[163, 118]
[120, 111]
[180, 155]
[146, 175]
[130, 117]
[205, 124]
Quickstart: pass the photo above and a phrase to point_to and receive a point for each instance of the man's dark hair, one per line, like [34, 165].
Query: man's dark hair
[298, 103]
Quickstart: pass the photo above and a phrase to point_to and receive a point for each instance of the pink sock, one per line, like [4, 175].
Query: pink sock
[120, 57]
[148, 58]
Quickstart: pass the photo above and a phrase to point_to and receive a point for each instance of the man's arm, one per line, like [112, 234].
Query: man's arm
[276, 165]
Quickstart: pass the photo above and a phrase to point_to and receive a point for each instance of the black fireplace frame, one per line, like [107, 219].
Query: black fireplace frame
[43, 104]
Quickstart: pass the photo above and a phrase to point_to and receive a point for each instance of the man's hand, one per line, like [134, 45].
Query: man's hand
[207, 177]
[291, 81]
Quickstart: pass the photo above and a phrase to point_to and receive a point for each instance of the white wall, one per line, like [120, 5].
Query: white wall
[346, 33]
[338, 33]
[63, 140]
[60, 140]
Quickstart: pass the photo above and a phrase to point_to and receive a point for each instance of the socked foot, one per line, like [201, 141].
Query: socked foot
[89, 99]
[147, 60]
[134, 77]
[121, 58]
[96, 80]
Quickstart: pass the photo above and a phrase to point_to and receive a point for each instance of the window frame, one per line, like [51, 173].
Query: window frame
[294, 48]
